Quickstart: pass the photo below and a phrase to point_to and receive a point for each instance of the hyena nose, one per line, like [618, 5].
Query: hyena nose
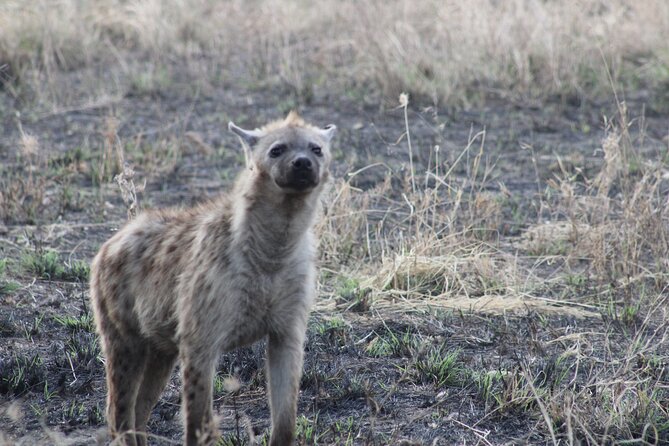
[302, 163]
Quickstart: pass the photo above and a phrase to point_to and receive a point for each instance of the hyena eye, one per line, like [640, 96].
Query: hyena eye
[277, 150]
[317, 150]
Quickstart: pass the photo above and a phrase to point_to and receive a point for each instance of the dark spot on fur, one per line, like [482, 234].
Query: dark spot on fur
[121, 408]
[191, 395]
[223, 258]
[249, 196]
[147, 265]
[113, 292]
[153, 244]
[172, 248]
[179, 239]
[116, 265]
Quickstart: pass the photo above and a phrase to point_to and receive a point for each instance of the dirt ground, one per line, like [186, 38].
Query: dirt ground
[52, 389]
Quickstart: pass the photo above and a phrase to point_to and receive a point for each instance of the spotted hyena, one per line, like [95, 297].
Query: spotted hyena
[190, 284]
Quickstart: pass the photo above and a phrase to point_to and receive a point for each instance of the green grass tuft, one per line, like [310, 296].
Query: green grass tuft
[82, 323]
[20, 374]
[43, 264]
[441, 368]
[6, 287]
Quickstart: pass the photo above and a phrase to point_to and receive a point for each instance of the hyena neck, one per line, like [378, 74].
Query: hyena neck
[270, 225]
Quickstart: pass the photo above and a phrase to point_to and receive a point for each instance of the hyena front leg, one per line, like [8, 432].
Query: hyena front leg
[197, 376]
[284, 353]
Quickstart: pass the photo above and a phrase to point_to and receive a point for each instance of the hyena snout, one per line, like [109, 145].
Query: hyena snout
[303, 173]
[302, 163]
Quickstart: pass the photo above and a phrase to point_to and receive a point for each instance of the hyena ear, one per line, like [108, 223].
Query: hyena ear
[250, 137]
[328, 132]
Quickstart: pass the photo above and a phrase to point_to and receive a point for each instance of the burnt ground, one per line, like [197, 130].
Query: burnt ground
[369, 377]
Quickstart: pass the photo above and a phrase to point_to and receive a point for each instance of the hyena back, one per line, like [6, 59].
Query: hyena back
[189, 284]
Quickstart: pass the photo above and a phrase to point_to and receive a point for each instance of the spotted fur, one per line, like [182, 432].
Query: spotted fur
[189, 284]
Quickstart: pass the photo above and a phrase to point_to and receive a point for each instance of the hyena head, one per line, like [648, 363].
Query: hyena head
[293, 155]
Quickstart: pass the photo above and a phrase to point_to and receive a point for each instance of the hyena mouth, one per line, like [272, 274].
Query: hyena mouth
[302, 181]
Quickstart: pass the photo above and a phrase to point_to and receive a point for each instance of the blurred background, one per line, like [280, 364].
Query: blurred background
[447, 52]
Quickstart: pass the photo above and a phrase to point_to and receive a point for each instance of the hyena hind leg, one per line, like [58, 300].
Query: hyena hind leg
[197, 377]
[126, 361]
[157, 371]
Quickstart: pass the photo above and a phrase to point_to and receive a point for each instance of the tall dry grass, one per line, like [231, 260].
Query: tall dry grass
[444, 50]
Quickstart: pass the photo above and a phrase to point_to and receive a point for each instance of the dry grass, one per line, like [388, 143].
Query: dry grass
[22, 193]
[619, 222]
[439, 241]
[445, 50]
